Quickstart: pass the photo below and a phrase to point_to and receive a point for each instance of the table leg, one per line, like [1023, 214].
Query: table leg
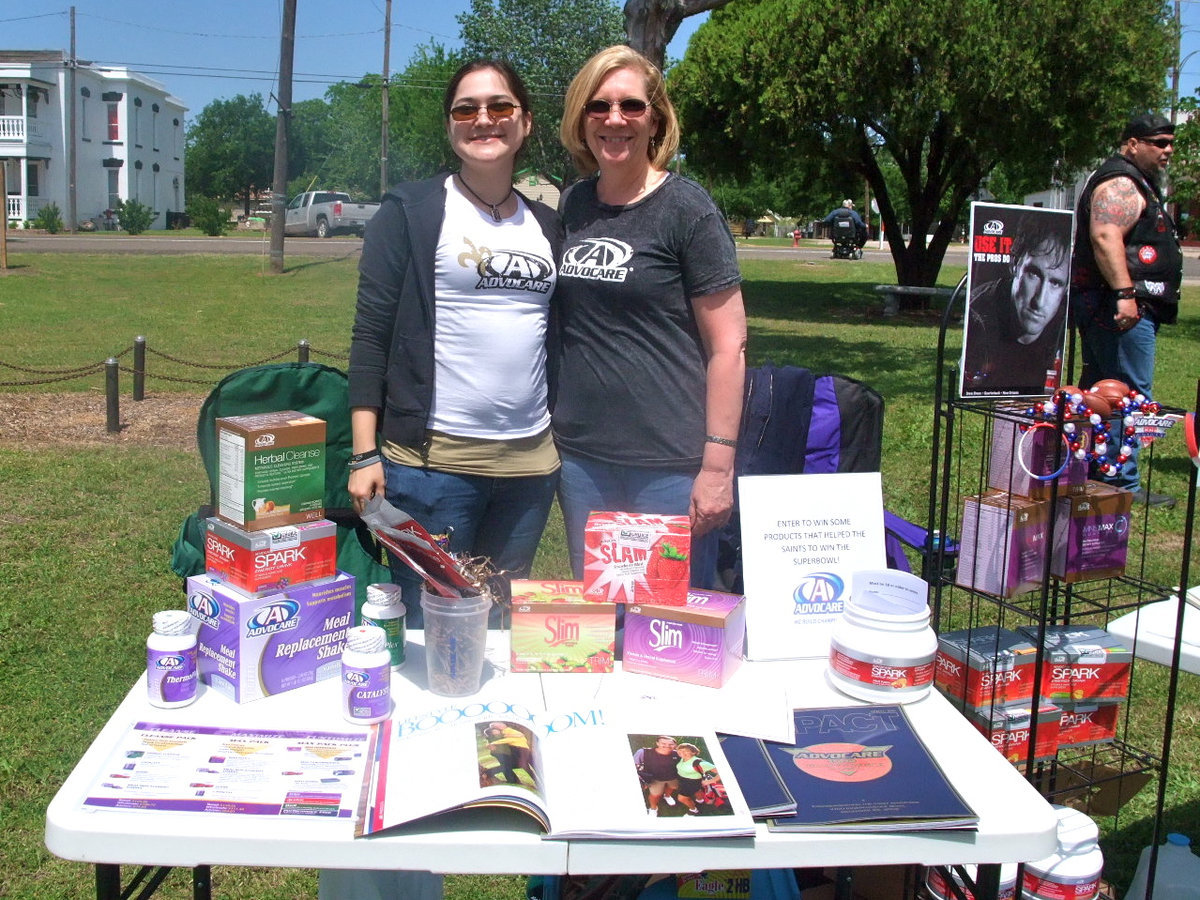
[108, 882]
[202, 883]
[987, 882]
[843, 883]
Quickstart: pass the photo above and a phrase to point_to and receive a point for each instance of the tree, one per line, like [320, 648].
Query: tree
[231, 149]
[1184, 171]
[944, 89]
[547, 41]
[650, 24]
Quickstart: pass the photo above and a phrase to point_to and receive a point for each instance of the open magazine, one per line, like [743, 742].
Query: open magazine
[578, 773]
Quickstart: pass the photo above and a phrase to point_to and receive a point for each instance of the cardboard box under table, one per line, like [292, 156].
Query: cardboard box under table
[701, 642]
[270, 469]
[556, 629]
[255, 647]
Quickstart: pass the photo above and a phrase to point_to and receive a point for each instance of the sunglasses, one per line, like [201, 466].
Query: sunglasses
[630, 107]
[496, 110]
[1160, 143]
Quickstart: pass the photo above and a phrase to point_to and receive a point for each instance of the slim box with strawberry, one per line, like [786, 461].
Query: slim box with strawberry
[634, 558]
[554, 629]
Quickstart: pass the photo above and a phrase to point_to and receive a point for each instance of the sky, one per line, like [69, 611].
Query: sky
[217, 49]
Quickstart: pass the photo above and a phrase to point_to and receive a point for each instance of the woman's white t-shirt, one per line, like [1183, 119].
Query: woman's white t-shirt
[493, 286]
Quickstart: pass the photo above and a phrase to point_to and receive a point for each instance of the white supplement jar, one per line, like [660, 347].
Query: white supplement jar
[366, 675]
[882, 649]
[171, 675]
[384, 609]
[1073, 871]
[937, 887]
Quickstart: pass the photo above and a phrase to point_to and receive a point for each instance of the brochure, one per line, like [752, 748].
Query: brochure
[579, 773]
[239, 771]
[863, 768]
[764, 789]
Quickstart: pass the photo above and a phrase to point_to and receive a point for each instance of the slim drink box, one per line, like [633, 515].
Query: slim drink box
[554, 629]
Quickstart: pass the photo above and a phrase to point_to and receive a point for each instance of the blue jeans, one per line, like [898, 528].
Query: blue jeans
[501, 519]
[586, 486]
[1127, 356]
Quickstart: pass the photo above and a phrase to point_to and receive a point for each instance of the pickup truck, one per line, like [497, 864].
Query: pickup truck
[324, 213]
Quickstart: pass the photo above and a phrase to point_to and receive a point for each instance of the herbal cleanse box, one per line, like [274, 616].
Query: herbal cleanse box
[253, 647]
[262, 562]
[270, 469]
[633, 558]
[701, 642]
[556, 629]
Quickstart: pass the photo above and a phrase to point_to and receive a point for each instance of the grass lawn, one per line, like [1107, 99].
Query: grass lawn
[85, 531]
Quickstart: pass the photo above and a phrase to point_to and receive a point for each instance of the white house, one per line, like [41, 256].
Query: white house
[128, 138]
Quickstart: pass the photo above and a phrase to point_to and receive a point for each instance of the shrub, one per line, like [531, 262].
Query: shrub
[209, 216]
[134, 217]
[49, 219]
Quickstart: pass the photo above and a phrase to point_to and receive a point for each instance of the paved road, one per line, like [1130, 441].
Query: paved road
[160, 243]
[352, 246]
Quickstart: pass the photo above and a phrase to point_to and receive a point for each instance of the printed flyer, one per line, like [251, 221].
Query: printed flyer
[192, 768]
[1018, 275]
[803, 538]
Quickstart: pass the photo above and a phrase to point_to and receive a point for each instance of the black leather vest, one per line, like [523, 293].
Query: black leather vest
[1151, 249]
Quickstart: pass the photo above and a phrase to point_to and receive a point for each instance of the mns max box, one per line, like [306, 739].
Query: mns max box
[270, 469]
[253, 647]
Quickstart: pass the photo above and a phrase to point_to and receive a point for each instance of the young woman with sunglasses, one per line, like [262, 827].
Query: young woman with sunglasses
[653, 329]
[448, 388]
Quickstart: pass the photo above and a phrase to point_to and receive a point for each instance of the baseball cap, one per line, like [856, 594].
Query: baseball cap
[1147, 125]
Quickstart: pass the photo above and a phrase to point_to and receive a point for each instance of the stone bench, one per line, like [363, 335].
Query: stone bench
[905, 296]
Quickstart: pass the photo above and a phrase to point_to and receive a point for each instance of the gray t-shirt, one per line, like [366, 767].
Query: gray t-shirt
[631, 374]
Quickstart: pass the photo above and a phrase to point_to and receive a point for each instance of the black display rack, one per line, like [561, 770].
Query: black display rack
[1100, 778]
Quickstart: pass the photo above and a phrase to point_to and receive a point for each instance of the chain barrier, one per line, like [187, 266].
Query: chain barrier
[59, 375]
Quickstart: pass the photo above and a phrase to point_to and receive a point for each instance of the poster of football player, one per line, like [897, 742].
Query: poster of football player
[1018, 276]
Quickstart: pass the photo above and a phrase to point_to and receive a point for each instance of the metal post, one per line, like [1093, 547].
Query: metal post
[302, 351]
[139, 367]
[111, 373]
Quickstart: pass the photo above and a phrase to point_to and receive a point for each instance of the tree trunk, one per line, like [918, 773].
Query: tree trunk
[650, 24]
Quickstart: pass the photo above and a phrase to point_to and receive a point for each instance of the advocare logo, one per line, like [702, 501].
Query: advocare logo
[819, 592]
[274, 617]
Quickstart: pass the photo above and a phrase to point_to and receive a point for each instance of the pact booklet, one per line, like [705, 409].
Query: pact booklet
[579, 773]
[864, 769]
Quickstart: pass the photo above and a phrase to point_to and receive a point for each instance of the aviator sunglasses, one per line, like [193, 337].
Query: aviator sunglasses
[1161, 143]
[496, 110]
[630, 107]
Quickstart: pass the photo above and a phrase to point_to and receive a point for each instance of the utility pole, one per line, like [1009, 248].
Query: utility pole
[383, 142]
[287, 46]
[69, 107]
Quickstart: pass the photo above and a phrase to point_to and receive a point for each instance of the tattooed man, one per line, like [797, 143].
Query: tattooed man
[1127, 268]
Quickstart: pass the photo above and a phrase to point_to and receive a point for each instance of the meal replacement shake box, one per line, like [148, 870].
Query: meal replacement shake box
[701, 642]
[985, 666]
[253, 647]
[263, 562]
[271, 469]
[632, 558]
[555, 629]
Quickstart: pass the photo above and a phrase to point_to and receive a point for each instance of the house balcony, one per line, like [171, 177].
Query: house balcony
[19, 130]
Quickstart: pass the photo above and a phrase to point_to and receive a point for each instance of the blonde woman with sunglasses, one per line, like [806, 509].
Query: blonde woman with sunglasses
[653, 333]
[448, 364]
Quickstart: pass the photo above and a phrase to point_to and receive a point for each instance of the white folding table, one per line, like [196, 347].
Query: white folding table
[1015, 823]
